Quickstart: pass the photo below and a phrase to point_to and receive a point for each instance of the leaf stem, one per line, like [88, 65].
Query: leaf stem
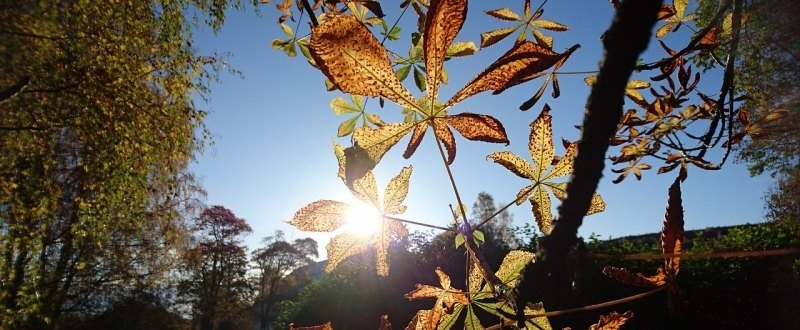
[526, 192]
[419, 223]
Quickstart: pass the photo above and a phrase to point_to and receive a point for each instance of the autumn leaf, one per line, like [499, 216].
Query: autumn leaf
[443, 21]
[350, 56]
[542, 152]
[326, 326]
[539, 322]
[638, 279]
[526, 22]
[385, 324]
[631, 89]
[327, 216]
[612, 321]
[674, 21]
[446, 299]
[520, 64]
[672, 232]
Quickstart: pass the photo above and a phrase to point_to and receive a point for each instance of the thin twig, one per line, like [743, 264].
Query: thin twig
[419, 223]
[525, 193]
[732, 254]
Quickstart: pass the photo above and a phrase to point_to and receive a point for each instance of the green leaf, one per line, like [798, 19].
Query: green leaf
[348, 126]
[419, 79]
[459, 240]
[279, 43]
[478, 236]
[402, 73]
[461, 48]
[290, 50]
[287, 30]
[472, 322]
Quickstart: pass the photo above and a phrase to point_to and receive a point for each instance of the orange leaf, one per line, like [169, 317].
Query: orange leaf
[516, 66]
[446, 299]
[385, 324]
[612, 321]
[326, 326]
[625, 276]
[350, 56]
[478, 127]
[444, 134]
[416, 139]
[672, 232]
[443, 21]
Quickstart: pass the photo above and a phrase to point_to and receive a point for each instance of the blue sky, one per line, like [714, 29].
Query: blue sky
[273, 130]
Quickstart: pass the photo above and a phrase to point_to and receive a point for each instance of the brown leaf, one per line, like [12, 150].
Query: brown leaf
[516, 66]
[504, 14]
[322, 215]
[672, 232]
[444, 134]
[385, 324]
[625, 276]
[350, 56]
[416, 139]
[326, 326]
[443, 21]
[420, 320]
[446, 299]
[478, 127]
[612, 321]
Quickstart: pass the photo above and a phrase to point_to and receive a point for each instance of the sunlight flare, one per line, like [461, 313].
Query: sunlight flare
[362, 220]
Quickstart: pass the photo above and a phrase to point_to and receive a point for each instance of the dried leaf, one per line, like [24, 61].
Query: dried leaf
[672, 232]
[625, 276]
[385, 324]
[446, 298]
[494, 36]
[420, 321]
[444, 135]
[343, 246]
[461, 48]
[560, 191]
[326, 326]
[564, 165]
[376, 142]
[396, 192]
[366, 189]
[477, 127]
[540, 143]
[516, 66]
[443, 21]
[512, 266]
[536, 323]
[504, 14]
[541, 205]
[322, 215]
[513, 163]
[350, 56]
[612, 321]
[416, 139]
[550, 25]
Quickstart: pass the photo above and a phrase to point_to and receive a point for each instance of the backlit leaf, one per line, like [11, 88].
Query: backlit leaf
[444, 135]
[420, 320]
[504, 14]
[513, 163]
[472, 322]
[516, 66]
[560, 191]
[322, 215]
[550, 25]
[672, 232]
[564, 165]
[376, 142]
[419, 79]
[541, 204]
[540, 142]
[443, 21]
[402, 73]
[461, 48]
[446, 298]
[494, 36]
[396, 192]
[625, 276]
[512, 266]
[350, 56]
[347, 127]
[366, 189]
[338, 151]
[613, 321]
[326, 326]
[416, 139]
[536, 323]
[341, 106]
[343, 246]
[478, 127]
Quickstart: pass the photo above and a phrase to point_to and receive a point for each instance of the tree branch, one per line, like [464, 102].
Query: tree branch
[628, 37]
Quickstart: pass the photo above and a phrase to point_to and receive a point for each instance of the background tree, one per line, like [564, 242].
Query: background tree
[216, 269]
[500, 227]
[97, 125]
[273, 264]
[768, 75]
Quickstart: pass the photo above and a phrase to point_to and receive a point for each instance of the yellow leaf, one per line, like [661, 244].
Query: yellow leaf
[550, 25]
[513, 163]
[475, 278]
[504, 14]
[664, 30]
[379, 140]
[478, 127]
[343, 246]
[366, 189]
[338, 151]
[560, 191]
[680, 6]
[523, 194]
[512, 266]
[322, 215]
[420, 320]
[540, 143]
[564, 165]
[350, 56]
[516, 66]
[326, 326]
[536, 323]
[542, 39]
[389, 231]
[396, 192]
[446, 298]
[443, 21]
[540, 202]
[494, 36]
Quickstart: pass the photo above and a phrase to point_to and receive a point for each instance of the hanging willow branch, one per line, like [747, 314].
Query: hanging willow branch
[628, 37]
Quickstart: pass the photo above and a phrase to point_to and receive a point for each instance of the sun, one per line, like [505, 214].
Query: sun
[362, 219]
